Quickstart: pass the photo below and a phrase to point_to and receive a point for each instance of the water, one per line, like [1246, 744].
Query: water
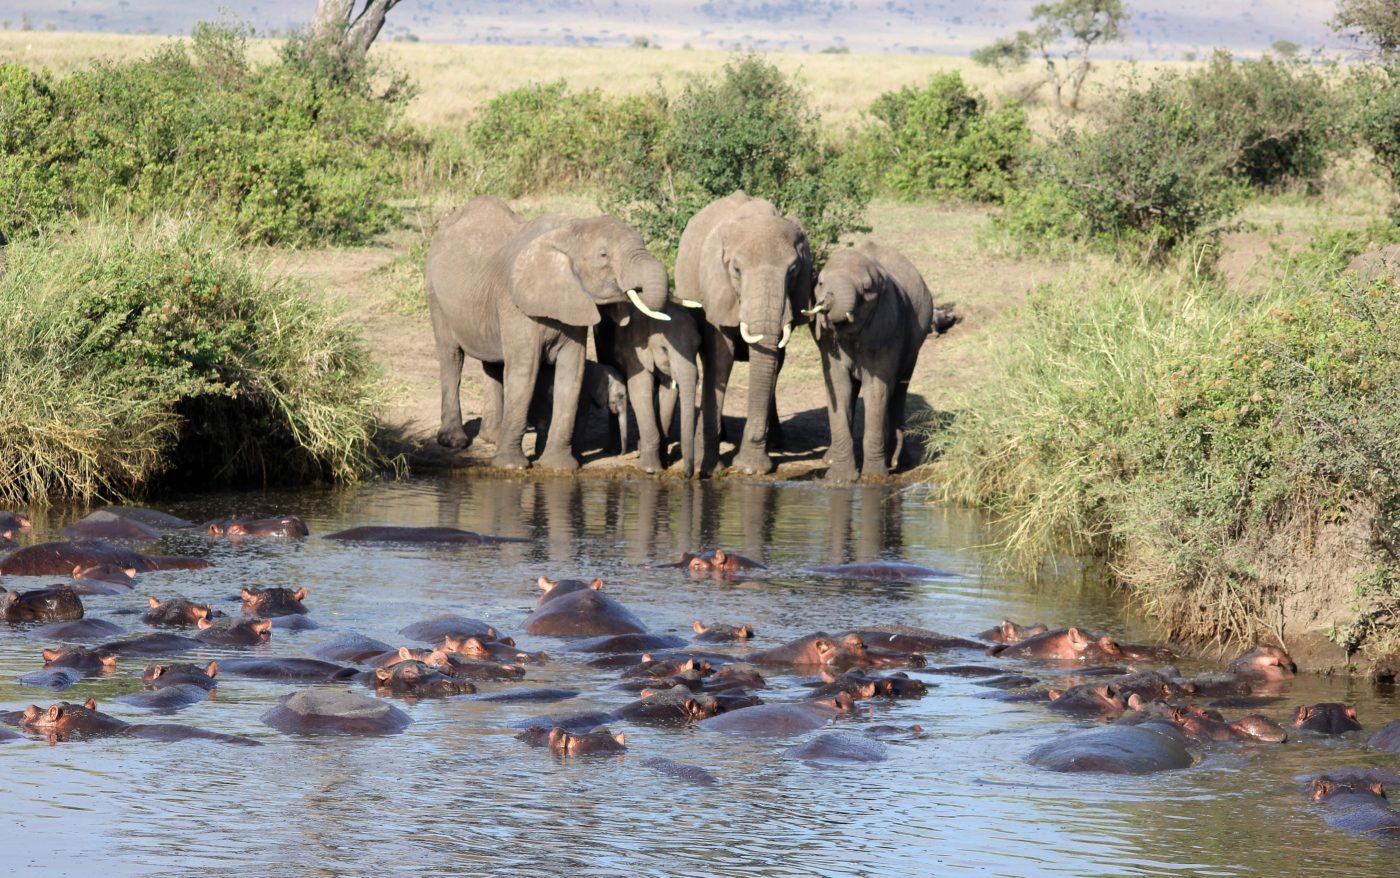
[457, 794]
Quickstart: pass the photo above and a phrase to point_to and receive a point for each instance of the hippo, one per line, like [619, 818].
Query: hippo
[178, 612]
[1356, 801]
[619, 643]
[418, 679]
[385, 534]
[1328, 718]
[151, 517]
[310, 670]
[551, 589]
[883, 571]
[674, 706]
[902, 641]
[779, 720]
[105, 525]
[573, 722]
[267, 603]
[89, 661]
[80, 629]
[458, 665]
[486, 648]
[290, 526]
[891, 731]
[1099, 699]
[1009, 632]
[718, 562]
[1262, 666]
[349, 647]
[836, 749]
[334, 712]
[234, 632]
[722, 633]
[59, 559]
[13, 522]
[562, 742]
[530, 696]
[65, 721]
[103, 579]
[861, 686]
[439, 628]
[668, 667]
[1201, 726]
[585, 613]
[54, 679]
[734, 677]
[167, 698]
[1149, 685]
[814, 651]
[158, 676]
[57, 603]
[1115, 749]
[151, 645]
[1065, 644]
[1387, 737]
[680, 770]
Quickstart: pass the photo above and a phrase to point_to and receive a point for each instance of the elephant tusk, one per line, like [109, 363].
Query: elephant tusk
[814, 311]
[744, 334]
[850, 317]
[690, 303]
[641, 306]
[787, 334]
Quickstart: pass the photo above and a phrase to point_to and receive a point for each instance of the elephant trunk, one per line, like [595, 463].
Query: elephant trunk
[841, 304]
[765, 311]
[622, 427]
[644, 273]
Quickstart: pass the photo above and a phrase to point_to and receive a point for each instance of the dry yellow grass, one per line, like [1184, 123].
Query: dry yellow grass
[455, 80]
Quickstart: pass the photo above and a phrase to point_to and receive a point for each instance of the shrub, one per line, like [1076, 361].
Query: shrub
[749, 129]
[943, 141]
[1376, 90]
[291, 152]
[132, 356]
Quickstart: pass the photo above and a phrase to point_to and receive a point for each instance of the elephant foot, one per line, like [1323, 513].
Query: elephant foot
[508, 459]
[688, 468]
[753, 462]
[649, 461]
[488, 433]
[560, 460]
[457, 438]
[842, 472]
[875, 469]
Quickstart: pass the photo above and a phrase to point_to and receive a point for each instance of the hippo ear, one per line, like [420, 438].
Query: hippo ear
[692, 707]
[1055, 694]
[263, 627]
[52, 655]
[845, 701]
[698, 627]
[211, 670]
[1378, 788]
[646, 693]
[545, 585]
[436, 658]
[55, 711]
[508, 641]
[596, 585]
[405, 653]
[690, 666]
[744, 632]
[1008, 630]
[1076, 638]
[543, 282]
[621, 739]
[154, 602]
[383, 674]
[471, 645]
[827, 676]
[109, 660]
[300, 594]
[1350, 711]
[204, 623]
[90, 704]
[246, 594]
[1135, 702]
[823, 647]
[558, 739]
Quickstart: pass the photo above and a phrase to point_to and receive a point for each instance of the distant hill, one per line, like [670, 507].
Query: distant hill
[1159, 29]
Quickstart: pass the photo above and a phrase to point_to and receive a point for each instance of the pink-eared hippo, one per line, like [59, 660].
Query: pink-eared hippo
[814, 652]
[234, 632]
[418, 679]
[89, 661]
[59, 559]
[103, 579]
[157, 675]
[178, 612]
[586, 613]
[167, 699]
[714, 562]
[883, 571]
[1328, 718]
[615, 644]
[1263, 668]
[674, 706]
[437, 629]
[1099, 699]
[779, 720]
[12, 523]
[503, 650]
[465, 667]
[862, 686]
[151, 645]
[334, 712]
[839, 750]
[551, 589]
[271, 602]
[58, 603]
[1115, 749]
[897, 643]
[65, 721]
[290, 526]
[1009, 632]
[722, 633]
[1355, 800]
[1065, 644]
[387, 534]
[562, 742]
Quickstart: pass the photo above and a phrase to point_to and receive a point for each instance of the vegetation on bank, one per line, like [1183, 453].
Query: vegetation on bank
[136, 356]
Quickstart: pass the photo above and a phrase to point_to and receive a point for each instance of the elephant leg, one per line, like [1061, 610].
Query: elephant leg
[776, 437]
[686, 376]
[719, 361]
[641, 392]
[451, 359]
[876, 396]
[666, 395]
[492, 402]
[752, 457]
[568, 386]
[520, 373]
[840, 395]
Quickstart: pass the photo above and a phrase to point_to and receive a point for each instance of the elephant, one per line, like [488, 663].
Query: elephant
[659, 360]
[750, 270]
[516, 294]
[603, 387]
[872, 314]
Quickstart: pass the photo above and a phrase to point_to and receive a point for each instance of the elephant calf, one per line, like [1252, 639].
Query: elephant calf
[603, 388]
[659, 360]
[872, 314]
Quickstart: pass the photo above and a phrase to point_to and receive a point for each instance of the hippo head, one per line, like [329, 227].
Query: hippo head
[1009, 632]
[562, 743]
[273, 601]
[155, 671]
[1264, 662]
[217, 527]
[1260, 728]
[900, 685]
[1326, 717]
[106, 573]
[181, 610]
[1086, 645]
[80, 657]
[1324, 788]
[550, 589]
[60, 717]
[849, 651]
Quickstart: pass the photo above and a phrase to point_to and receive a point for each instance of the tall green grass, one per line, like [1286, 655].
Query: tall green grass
[132, 356]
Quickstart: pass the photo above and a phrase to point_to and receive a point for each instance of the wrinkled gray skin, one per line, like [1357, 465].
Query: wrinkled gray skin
[515, 295]
[660, 362]
[751, 269]
[874, 313]
[603, 388]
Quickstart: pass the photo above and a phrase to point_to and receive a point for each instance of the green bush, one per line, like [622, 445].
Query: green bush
[748, 129]
[136, 356]
[1377, 100]
[296, 151]
[942, 141]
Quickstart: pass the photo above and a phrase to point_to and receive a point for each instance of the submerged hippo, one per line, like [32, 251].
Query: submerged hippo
[270, 602]
[167, 698]
[503, 649]
[59, 559]
[56, 603]
[310, 670]
[89, 661]
[65, 721]
[674, 706]
[80, 629]
[1387, 737]
[862, 686]
[1115, 749]
[722, 633]
[151, 645]
[551, 589]
[106, 525]
[814, 652]
[837, 749]
[418, 679]
[349, 646]
[158, 676]
[439, 628]
[718, 561]
[681, 770]
[12, 523]
[103, 579]
[1067, 644]
[178, 612]
[53, 679]
[334, 712]
[562, 742]
[585, 613]
[620, 643]
[779, 720]
[1263, 666]
[1328, 718]
[234, 632]
[446, 535]
[1356, 801]
[278, 526]
[884, 571]
[1098, 699]
[902, 641]
[150, 517]
[1009, 632]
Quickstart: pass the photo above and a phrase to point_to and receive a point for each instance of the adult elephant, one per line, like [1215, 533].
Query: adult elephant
[750, 269]
[517, 294]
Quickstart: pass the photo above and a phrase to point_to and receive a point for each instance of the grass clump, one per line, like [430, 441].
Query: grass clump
[140, 356]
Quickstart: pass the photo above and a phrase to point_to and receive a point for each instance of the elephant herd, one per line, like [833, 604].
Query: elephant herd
[521, 295]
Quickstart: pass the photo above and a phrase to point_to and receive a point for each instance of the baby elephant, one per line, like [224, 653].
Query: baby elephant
[659, 359]
[872, 314]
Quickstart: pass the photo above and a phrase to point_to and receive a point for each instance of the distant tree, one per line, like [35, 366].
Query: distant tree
[1064, 34]
[1007, 53]
[1374, 21]
[1287, 48]
[332, 23]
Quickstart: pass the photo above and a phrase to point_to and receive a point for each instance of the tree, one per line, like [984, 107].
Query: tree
[1065, 32]
[332, 23]
[1375, 20]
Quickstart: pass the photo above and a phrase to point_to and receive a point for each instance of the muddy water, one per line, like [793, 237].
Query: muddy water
[457, 794]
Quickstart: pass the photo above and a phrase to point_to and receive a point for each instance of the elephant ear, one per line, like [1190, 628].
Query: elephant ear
[717, 291]
[543, 282]
[883, 324]
[803, 292]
